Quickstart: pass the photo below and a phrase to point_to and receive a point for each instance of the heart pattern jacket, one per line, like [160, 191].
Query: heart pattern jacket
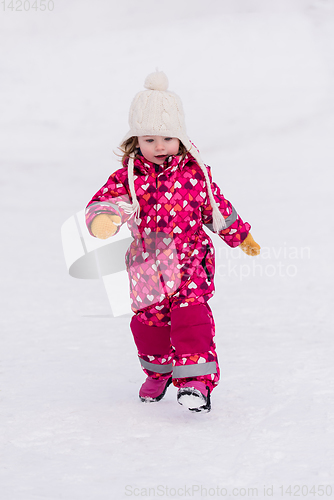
[170, 248]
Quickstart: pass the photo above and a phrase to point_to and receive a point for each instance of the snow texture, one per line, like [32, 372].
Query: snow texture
[256, 80]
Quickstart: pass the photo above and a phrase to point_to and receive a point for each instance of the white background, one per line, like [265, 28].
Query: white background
[256, 80]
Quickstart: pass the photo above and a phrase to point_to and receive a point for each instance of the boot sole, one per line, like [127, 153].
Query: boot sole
[192, 398]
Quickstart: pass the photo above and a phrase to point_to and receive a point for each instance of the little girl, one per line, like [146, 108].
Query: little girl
[165, 193]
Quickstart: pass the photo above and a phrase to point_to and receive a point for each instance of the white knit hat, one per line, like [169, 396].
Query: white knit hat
[158, 111]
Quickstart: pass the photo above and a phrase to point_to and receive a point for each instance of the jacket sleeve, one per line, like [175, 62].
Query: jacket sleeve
[236, 230]
[105, 201]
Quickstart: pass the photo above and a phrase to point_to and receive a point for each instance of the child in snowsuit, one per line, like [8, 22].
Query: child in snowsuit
[165, 194]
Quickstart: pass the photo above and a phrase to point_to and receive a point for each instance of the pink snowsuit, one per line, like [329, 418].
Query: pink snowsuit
[171, 264]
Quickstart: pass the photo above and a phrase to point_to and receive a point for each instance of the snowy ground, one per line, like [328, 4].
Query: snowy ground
[256, 79]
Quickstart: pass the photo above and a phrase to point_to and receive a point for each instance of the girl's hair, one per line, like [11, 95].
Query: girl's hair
[131, 146]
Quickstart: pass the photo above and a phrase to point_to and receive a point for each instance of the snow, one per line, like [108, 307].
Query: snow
[256, 80]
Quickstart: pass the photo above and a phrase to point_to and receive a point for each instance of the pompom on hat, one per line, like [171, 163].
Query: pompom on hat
[158, 111]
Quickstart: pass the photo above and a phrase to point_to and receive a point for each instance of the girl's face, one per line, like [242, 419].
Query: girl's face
[156, 148]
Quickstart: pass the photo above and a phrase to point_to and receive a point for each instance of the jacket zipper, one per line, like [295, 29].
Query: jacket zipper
[203, 263]
[157, 168]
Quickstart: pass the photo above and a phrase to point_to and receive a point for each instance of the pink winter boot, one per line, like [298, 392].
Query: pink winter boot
[154, 389]
[195, 396]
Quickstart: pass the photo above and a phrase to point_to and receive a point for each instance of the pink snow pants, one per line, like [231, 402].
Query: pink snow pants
[176, 337]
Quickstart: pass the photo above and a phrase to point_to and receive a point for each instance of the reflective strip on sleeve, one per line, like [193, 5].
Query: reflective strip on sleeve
[152, 367]
[231, 218]
[98, 208]
[184, 371]
[228, 221]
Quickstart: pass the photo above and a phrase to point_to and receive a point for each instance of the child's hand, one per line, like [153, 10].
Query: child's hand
[249, 246]
[104, 225]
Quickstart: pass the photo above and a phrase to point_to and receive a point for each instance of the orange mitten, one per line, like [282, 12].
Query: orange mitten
[249, 246]
[105, 225]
